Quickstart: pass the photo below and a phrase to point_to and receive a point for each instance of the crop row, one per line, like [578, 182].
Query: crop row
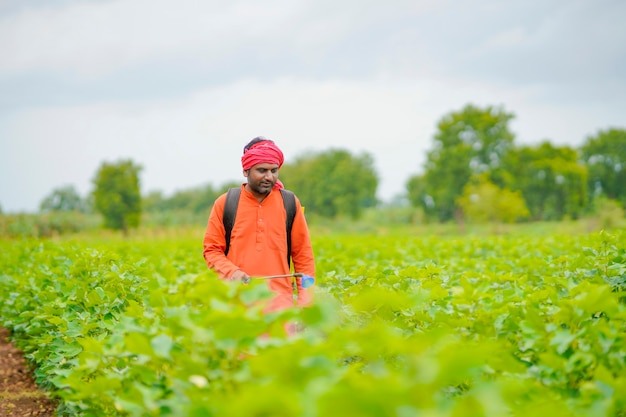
[401, 326]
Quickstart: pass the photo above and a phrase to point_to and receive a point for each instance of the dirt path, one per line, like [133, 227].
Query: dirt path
[19, 395]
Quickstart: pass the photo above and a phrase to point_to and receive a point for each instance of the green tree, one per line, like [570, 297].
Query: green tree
[469, 142]
[483, 201]
[63, 199]
[418, 197]
[117, 195]
[605, 157]
[551, 179]
[154, 201]
[194, 200]
[333, 183]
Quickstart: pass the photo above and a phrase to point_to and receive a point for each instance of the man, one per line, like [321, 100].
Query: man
[258, 241]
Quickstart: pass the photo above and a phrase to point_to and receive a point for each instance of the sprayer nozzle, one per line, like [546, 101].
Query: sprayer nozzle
[307, 281]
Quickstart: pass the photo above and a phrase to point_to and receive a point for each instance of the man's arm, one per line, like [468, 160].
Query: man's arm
[302, 253]
[215, 243]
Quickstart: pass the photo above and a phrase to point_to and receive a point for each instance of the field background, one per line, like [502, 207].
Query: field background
[437, 320]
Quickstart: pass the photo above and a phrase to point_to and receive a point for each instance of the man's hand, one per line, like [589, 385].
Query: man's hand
[239, 275]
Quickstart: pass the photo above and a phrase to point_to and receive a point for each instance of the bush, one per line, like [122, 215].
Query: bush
[25, 225]
[609, 213]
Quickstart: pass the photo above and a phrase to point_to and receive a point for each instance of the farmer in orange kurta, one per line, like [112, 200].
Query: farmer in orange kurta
[258, 243]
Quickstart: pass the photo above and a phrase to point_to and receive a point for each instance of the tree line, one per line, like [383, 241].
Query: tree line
[473, 172]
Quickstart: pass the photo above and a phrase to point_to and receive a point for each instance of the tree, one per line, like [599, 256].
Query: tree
[551, 179]
[483, 201]
[605, 157]
[333, 183]
[63, 199]
[193, 200]
[469, 142]
[418, 197]
[117, 196]
[154, 201]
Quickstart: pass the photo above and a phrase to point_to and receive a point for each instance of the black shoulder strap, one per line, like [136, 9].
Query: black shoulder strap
[230, 212]
[289, 201]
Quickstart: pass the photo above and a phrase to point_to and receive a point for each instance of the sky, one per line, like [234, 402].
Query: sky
[181, 86]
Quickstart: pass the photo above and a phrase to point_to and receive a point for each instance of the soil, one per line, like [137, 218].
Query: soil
[19, 395]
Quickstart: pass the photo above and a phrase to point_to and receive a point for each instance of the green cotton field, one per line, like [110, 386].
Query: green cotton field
[437, 326]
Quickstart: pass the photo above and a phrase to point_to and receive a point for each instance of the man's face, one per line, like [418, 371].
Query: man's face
[262, 178]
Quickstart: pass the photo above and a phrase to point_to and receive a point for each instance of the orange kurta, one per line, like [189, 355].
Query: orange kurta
[258, 245]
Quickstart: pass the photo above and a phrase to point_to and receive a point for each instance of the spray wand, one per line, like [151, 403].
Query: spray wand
[307, 280]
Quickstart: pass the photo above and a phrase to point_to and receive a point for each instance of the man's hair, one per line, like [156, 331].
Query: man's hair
[254, 142]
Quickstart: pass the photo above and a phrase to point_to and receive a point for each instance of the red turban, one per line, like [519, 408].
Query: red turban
[265, 152]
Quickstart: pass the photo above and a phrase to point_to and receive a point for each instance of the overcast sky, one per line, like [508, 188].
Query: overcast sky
[180, 86]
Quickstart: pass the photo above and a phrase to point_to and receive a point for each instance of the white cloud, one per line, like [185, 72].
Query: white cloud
[94, 38]
[198, 139]
[513, 37]
[181, 86]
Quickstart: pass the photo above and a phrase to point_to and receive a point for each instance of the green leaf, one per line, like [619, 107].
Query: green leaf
[162, 345]
[562, 340]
